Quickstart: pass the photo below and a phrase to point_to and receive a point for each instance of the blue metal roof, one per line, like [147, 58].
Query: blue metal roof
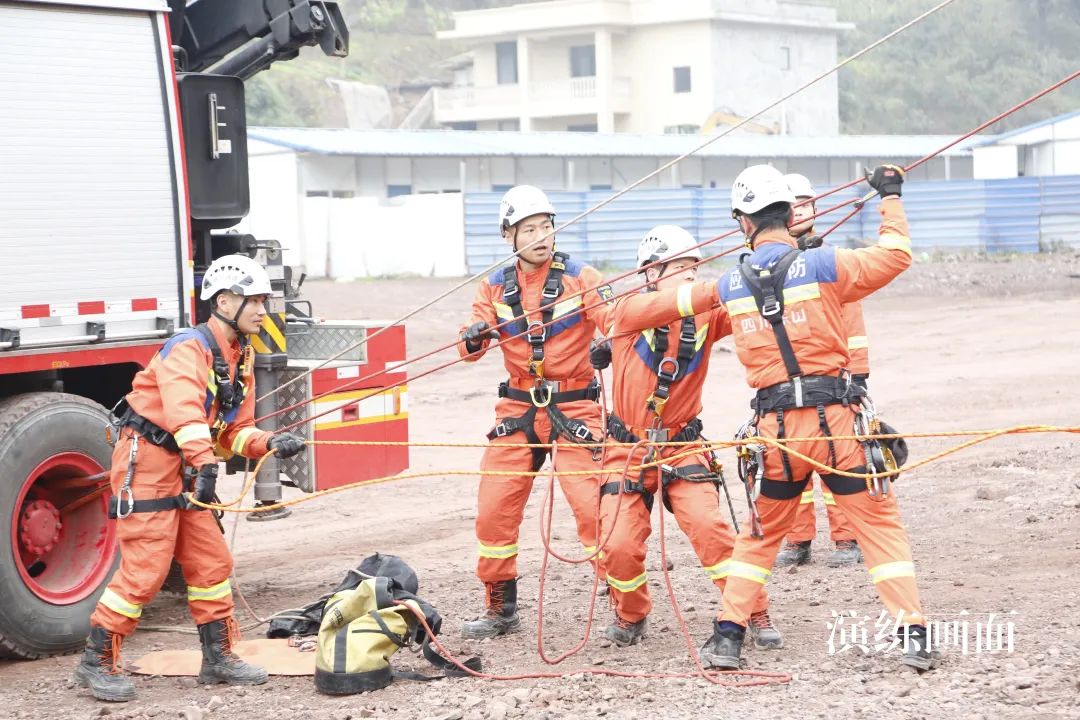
[1027, 128]
[479, 143]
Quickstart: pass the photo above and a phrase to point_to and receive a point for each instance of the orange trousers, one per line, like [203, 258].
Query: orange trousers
[696, 506]
[876, 524]
[502, 498]
[150, 540]
[805, 526]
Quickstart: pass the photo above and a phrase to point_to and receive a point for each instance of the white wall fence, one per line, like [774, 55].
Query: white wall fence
[344, 238]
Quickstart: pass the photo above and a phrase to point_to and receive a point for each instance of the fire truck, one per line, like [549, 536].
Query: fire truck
[123, 166]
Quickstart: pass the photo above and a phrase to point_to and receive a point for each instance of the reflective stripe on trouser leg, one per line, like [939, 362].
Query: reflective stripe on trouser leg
[500, 509]
[624, 554]
[147, 540]
[886, 551]
[753, 558]
[697, 511]
[117, 604]
[207, 564]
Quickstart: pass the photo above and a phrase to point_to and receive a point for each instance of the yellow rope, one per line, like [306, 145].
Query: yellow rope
[724, 443]
[698, 447]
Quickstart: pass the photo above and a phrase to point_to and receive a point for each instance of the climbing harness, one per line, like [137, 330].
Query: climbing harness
[225, 387]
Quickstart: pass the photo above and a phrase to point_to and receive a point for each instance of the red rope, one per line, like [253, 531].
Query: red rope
[917, 163]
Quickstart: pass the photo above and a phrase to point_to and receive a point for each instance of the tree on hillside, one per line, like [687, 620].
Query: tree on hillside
[390, 42]
[959, 67]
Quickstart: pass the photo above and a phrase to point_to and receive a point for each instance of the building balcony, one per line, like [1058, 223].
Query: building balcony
[549, 98]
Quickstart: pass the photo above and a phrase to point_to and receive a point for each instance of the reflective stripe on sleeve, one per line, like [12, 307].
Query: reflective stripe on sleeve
[857, 342]
[829, 499]
[240, 441]
[895, 241]
[191, 433]
[684, 299]
[807, 497]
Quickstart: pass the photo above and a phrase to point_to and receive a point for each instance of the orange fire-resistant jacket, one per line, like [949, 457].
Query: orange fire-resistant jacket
[177, 389]
[818, 284]
[634, 356]
[857, 341]
[566, 349]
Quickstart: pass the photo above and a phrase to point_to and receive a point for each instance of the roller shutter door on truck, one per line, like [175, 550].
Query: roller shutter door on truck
[90, 230]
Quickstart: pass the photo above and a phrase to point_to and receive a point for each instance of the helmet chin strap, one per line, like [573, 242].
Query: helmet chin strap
[751, 237]
[652, 287]
[235, 322]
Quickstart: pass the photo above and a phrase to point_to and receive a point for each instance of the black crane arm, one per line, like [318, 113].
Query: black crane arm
[243, 37]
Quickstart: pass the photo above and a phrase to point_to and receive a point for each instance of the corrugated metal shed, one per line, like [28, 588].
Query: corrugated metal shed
[995, 216]
[994, 139]
[451, 143]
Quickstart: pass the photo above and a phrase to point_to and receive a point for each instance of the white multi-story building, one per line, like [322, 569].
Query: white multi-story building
[644, 66]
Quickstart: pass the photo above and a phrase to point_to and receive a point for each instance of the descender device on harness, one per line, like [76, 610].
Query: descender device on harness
[544, 394]
[751, 468]
[799, 391]
[228, 391]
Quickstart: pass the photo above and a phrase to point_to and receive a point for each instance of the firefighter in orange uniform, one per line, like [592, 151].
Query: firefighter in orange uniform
[797, 549]
[550, 395]
[196, 393]
[785, 307]
[661, 343]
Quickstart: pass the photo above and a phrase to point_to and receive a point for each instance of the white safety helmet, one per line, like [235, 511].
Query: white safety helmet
[757, 187]
[522, 201]
[665, 243]
[800, 186]
[235, 273]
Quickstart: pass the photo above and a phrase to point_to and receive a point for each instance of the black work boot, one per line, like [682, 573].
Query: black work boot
[500, 612]
[917, 651]
[847, 552]
[220, 664]
[724, 648]
[766, 635]
[100, 670]
[625, 633]
[794, 553]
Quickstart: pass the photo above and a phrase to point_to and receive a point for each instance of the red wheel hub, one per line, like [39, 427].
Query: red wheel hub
[63, 547]
[40, 527]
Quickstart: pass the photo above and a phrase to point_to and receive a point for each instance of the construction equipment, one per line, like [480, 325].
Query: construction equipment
[125, 158]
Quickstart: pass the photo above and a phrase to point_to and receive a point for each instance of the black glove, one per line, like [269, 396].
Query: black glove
[287, 444]
[206, 483]
[600, 353]
[886, 179]
[809, 242]
[476, 334]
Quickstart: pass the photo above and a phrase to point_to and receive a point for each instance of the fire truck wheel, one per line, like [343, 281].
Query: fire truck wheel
[57, 545]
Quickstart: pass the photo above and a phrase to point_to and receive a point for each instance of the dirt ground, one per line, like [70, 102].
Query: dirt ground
[957, 343]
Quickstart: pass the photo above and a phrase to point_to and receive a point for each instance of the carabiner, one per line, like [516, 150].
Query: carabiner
[125, 494]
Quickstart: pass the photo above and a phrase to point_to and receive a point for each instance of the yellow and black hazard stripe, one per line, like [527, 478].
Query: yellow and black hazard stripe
[271, 336]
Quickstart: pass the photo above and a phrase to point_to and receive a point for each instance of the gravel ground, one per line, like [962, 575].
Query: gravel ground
[957, 343]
